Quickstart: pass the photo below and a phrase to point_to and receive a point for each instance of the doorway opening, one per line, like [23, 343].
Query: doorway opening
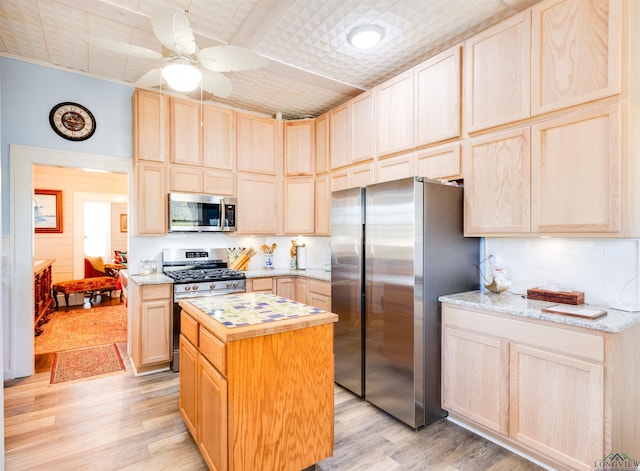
[84, 250]
[19, 350]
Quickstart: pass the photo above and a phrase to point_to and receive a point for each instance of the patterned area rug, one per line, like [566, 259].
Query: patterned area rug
[83, 328]
[86, 362]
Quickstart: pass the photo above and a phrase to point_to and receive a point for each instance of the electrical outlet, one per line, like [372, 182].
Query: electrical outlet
[495, 259]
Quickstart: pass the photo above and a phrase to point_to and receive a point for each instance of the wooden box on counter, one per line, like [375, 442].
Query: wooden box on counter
[563, 297]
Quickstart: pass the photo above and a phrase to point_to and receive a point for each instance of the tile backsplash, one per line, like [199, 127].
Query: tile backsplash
[599, 267]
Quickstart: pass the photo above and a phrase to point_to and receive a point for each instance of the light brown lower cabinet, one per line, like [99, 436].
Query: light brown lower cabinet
[263, 402]
[565, 395]
[320, 294]
[151, 327]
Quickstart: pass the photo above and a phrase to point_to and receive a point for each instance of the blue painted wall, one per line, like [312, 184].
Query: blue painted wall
[29, 91]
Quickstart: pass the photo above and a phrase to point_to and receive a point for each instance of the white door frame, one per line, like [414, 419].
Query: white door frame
[19, 349]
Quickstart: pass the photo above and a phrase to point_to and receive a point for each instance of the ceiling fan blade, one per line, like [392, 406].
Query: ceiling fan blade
[151, 79]
[124, 48]
[172, 28]
[230, 59]
[216, 83]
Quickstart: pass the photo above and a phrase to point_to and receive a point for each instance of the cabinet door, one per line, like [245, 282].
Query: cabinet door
[262, 285]
[212, 416]
[497, 74]
[394, 168]
[557, 405]
[340, 180]
[339, 151]
[302, 290]
[322, 143]
[187, 179]
[219, 183]
[188, 384]
[497, 182]
[299, 205]
[256, 144]
[321, 301]
[150, 124]
[362, 127]
[475, 378]
[151, 199]
[155, 332]
[439, 162]
[394, 114]
[286, 287]
[218, 138]
[323, 205]
[185, 132]
[299, 147]
[361, 175]
[258, 200]
[437, 98]
[576, 172]
[576, 52]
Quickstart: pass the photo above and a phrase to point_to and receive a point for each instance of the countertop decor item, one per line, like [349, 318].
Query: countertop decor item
[72, 121]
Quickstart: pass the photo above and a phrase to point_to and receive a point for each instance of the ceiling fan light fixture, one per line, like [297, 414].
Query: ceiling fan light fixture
[365, 37]
[181, 75]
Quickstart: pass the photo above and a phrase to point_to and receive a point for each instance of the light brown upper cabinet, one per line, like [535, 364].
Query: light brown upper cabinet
[259, 198]
[151, 198]
[218, 138]
[322, 143]
[497, 183]
[439, 162]
[256, 139]
[497, 74]
[339, 149]
[323, 205]
[362, 127]
[576, 52]
[437, 98]
[299, 204]
[150, 123]
[185, 132]
[394, 114]
[576, 172]
[299, 147]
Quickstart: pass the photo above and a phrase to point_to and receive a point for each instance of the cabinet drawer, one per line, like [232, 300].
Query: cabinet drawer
[533, 333]
[320, 287]
[189, 328]
[213, 350]
[156, 292]
[262, 284]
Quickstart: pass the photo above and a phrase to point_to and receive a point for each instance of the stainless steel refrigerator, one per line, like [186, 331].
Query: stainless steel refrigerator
[396, 247]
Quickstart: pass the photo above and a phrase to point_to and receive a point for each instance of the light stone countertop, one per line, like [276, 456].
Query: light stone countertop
[315, 273]
[519, 305]
[156, 279]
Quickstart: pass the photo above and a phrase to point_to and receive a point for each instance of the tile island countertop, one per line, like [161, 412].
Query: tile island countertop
[519, 305]
[246, 315]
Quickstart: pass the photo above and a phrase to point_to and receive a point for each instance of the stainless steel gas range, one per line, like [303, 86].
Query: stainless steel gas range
[196, 273]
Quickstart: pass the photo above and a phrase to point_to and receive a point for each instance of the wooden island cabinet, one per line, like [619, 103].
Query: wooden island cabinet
[255, 394]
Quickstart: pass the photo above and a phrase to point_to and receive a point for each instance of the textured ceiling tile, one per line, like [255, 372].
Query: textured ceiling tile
[21, 31]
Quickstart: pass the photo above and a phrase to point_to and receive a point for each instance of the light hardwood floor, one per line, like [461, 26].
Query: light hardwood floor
[125, 423]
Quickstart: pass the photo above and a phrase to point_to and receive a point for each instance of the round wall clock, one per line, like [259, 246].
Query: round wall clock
[72, 121]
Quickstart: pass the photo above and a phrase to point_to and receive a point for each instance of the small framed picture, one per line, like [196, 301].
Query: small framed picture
[123, 223]
[47, 211]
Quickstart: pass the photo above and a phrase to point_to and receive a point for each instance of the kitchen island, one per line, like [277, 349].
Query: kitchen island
[256, 381]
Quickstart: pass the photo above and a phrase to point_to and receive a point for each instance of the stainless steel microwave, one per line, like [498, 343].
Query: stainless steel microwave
[201, 213]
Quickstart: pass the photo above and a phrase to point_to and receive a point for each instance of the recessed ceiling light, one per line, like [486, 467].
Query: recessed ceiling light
[365, 37]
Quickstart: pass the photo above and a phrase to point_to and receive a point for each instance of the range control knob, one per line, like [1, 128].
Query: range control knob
[194, 288]
[212, 286]
[228, 284]
[235, 284]
[187, 288]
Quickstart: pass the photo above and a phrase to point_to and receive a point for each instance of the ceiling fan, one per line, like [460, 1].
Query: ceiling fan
[189, 67]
